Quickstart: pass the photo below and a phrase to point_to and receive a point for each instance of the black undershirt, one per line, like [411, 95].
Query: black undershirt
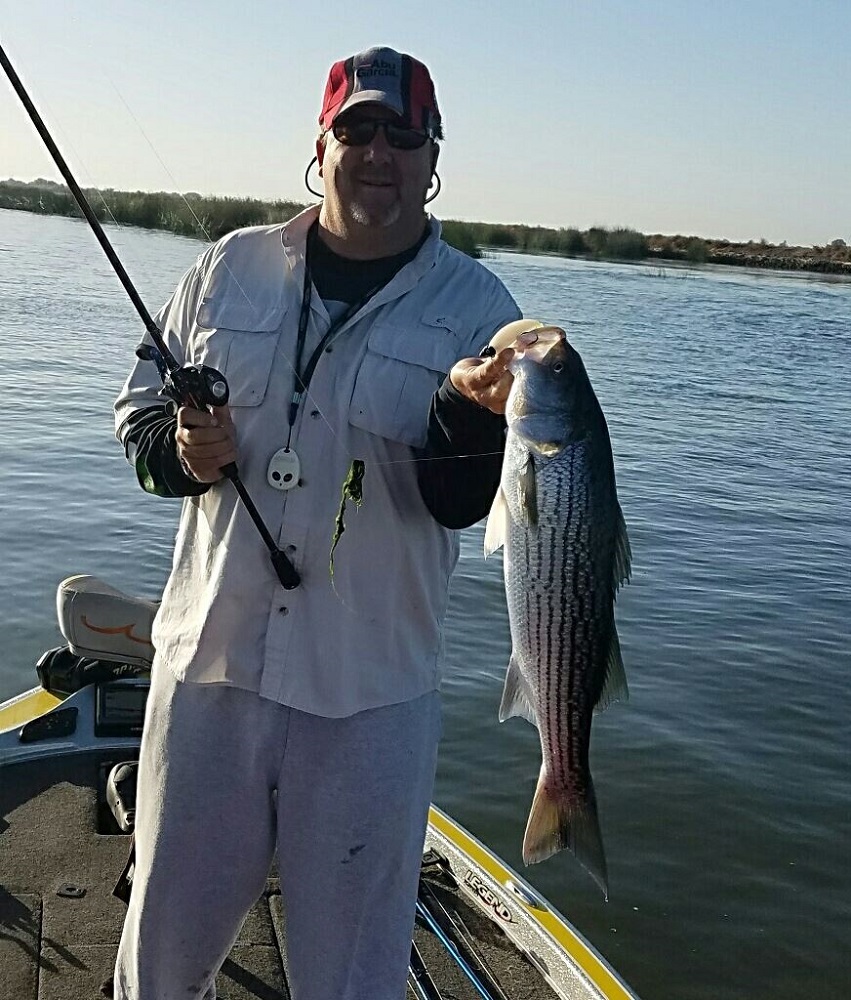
[341, 279]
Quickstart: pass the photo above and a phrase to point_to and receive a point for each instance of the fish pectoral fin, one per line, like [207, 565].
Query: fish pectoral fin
[528, 490]
[623, 552]
[558, 821]
[516, 697]
[496, 530]
[615, 687]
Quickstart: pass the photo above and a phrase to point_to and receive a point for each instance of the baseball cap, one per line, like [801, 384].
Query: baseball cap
[382, 76]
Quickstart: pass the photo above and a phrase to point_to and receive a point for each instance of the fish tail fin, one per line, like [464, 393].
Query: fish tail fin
[557, 821]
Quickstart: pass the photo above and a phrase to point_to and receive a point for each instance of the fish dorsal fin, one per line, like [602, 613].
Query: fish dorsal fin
[615, 687]
[528, 490]
[516, 698]
[496, 530]
[623, 553]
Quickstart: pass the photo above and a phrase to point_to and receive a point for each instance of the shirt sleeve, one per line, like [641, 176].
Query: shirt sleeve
[461, 463]
[144, 424]
[150, 445]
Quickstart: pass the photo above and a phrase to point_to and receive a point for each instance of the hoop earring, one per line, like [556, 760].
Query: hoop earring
[431, 197]
[307, 179]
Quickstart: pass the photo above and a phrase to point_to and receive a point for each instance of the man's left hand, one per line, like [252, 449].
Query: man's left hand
[487, 381]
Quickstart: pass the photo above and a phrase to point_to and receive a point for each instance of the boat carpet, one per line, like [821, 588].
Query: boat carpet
[60, 855]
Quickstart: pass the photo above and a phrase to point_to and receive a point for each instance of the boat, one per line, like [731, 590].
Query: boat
[68, 748]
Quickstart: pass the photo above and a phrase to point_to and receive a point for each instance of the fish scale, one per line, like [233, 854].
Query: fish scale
[566, 552]
[562, 628]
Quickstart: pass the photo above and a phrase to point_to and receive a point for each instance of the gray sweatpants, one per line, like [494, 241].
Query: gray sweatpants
[225, 776]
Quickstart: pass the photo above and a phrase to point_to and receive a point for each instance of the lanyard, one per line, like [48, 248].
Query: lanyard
[304, 375]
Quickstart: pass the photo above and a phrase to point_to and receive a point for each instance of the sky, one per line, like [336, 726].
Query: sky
[723, 119]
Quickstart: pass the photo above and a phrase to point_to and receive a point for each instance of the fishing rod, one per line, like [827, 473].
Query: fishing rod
[455, 928]
[198, 386]
[435, 927]
[422, 984]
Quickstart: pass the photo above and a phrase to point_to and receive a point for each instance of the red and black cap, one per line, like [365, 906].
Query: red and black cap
[386, 77]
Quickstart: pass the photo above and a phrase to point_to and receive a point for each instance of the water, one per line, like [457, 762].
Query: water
[724, 785]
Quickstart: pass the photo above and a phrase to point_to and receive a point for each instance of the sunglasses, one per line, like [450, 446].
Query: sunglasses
[361, 132]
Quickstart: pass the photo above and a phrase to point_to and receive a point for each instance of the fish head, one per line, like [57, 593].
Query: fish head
[551, 401]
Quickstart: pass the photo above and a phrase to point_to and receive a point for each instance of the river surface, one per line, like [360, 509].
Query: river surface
[725, 782]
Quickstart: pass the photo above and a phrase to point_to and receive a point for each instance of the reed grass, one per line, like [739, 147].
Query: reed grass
[211, 217]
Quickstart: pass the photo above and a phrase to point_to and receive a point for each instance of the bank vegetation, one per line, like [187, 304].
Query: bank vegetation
[210, 217]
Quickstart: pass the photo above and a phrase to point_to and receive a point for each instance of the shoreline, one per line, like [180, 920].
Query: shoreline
[662, 265]
[185, 215]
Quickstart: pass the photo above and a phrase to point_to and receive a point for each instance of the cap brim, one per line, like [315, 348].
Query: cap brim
[370, 97]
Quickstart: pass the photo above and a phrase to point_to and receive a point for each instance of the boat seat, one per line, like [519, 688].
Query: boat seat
[103, 623]
[62, 672]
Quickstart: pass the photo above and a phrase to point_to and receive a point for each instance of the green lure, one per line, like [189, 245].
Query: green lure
[352, 490]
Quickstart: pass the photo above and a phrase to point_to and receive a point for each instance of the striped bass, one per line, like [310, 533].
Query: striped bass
[566, 552]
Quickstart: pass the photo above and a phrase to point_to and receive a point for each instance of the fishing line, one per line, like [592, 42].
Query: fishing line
[162, 163]
[306, 391]
[198, 386]
[68, 143]
[435, 458]
[486, 352]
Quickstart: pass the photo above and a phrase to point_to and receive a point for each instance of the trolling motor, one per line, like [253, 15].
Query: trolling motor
[197, 386]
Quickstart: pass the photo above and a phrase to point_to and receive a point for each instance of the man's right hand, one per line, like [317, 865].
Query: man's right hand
[489, 382]
[206, 441]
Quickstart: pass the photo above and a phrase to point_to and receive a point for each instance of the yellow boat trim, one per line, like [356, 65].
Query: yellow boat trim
[591, 964]
[29, 705]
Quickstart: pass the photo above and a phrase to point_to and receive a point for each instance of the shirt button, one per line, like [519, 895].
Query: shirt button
[315, 414]
[284, 611]
[328, 350]
[291, 548]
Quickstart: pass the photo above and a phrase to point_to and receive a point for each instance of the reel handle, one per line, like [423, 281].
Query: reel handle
[201, 386]
[197, 385]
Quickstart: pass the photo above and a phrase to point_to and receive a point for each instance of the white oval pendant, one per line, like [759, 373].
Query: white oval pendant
[284, 469]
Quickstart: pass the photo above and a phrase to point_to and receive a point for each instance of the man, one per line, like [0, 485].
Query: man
[307, 720]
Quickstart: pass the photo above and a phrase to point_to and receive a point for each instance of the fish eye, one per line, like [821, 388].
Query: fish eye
[558, 367]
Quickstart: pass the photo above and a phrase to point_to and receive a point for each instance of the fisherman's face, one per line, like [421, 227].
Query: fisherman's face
[376, 185]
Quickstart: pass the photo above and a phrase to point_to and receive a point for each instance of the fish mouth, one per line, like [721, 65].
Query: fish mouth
[548, 338]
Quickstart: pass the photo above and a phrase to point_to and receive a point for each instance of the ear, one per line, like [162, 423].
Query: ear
[320, 152]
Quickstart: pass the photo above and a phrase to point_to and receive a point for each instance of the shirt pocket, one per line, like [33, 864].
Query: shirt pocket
[244, 357]
[398, 375]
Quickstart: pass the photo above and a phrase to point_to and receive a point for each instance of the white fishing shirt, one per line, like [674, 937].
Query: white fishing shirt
[372, 635]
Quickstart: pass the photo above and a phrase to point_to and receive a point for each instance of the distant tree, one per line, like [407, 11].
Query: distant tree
[625, 244]
[838, 244]
[596, 238]
[696, 251]
[500, 236]
[571, 242]
[460, 235]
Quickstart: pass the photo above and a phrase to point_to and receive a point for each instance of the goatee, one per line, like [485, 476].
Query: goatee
[382, 217]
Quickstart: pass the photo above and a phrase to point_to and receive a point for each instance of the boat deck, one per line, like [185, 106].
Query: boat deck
[61, 854]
